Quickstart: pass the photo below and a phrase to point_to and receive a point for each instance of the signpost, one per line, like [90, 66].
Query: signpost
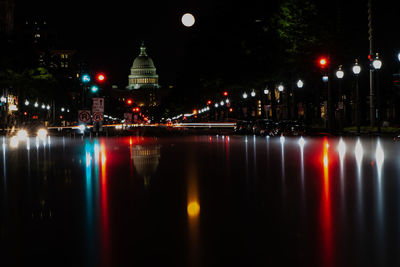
[84, 116]
[98, 104]
[128, 118]
[97, 116]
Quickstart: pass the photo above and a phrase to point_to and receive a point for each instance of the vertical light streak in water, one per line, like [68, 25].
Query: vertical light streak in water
[104, 207]
[341, 148]
[380, 212]
[247, 159]
[327, 229]
[255, 157]
[89, 203]
[301, 143]
[282, 141]
[267, 139]
[193, 212]
[4, 163]
[359, 153]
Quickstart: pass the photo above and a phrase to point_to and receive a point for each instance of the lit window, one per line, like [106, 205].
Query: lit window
[66, 55]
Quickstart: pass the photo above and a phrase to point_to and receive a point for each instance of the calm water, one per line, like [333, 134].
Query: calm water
[200, 201]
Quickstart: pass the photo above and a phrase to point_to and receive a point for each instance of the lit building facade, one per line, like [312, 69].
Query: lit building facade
[143, 80]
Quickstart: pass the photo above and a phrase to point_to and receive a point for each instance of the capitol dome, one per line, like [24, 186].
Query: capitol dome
[143, 72]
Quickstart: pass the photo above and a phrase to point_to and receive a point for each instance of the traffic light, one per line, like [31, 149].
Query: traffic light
[137, 109]
[209, 102]
[85, 78]
[94, 89]
[323, 62]
[225, 93]
[129, 101]
[101, 77]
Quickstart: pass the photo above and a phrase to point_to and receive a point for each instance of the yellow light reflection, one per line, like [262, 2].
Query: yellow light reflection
[193, 209]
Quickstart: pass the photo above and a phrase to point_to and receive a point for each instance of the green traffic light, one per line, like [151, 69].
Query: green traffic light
[94, 89]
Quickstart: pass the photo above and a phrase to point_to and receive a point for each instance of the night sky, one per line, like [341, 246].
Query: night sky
[110, 32]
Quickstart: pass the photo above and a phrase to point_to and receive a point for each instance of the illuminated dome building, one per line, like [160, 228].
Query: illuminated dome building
[143, 80]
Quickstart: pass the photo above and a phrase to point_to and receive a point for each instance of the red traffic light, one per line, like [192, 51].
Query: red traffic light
[225, 93]
[136, 109]
[209, 102]
[100, 77]
[129, 101]
[323, 62]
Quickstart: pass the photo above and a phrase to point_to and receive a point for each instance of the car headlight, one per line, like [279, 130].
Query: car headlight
[42, 133]
[22, 135]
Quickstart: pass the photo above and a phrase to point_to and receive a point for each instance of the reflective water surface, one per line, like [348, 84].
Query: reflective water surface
[200, 201]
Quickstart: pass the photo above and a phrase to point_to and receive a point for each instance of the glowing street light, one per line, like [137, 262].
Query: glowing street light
[281, 88]
[340, 73]
[300, 84]
[244, 95]
[26, 102]
[377, 63]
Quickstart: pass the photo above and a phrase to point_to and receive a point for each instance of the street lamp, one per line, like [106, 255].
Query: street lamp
[244, 95]
[300, 84]
[253, 93]
[377, 65]
[356, 70]
[36, 104]
[26, 102]
[340, 75]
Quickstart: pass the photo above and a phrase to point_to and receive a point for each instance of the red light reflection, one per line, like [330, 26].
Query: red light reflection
[326, 215]
[104, 206]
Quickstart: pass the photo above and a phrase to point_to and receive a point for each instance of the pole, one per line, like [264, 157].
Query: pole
[358, 106]
[378, 104]
[371, 73]
[329, 104]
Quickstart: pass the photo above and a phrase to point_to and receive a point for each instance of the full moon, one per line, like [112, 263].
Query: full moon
[188, 20]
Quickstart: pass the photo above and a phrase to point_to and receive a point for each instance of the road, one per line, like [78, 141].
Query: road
[210, 200]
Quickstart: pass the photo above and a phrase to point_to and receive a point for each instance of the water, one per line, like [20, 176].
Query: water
[200, 201]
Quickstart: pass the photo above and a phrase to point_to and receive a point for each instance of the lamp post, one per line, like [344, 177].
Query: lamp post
[266, 91]
[356, 70]
[281, 89]
[340, 75]
[300, 85]
[377, 65]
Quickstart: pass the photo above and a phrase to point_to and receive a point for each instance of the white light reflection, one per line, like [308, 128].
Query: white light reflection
[380, 157]
[28, 146]
[359, 152]
[301, 144]
[282, 140]
[380, 208]
[342, 150]
[14, 142]
[37, 142]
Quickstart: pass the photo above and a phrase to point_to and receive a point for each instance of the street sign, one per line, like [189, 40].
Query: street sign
[98, 104]
[128, 118]
[84, 116]
[97, 116]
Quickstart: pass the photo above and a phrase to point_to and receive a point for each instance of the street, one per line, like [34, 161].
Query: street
[209, 200]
